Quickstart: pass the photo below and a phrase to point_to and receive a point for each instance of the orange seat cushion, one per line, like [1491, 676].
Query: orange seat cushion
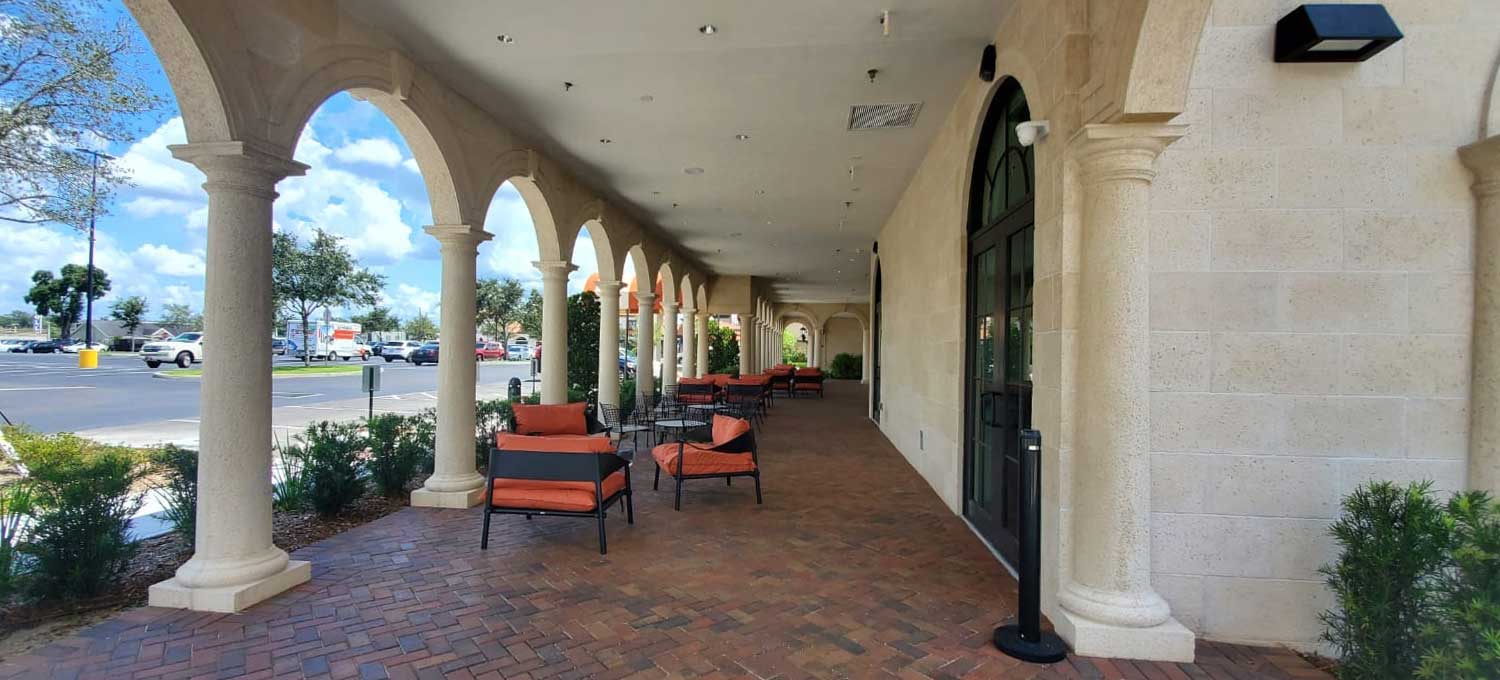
[566, 443]
[532, 494]
[550, 419]
[701, 461]
[720, 379]
[726, 429]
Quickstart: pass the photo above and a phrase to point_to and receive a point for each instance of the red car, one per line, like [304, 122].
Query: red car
[489, 350]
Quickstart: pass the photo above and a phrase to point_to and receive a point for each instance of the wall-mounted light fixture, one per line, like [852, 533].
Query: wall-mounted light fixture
[1334, 33]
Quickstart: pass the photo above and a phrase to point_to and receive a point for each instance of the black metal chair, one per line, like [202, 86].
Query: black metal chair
[555, 466]
[621, 424]
[675, 458]
[746, 401]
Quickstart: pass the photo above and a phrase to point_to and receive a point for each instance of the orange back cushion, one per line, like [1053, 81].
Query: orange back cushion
[727, 428]
[506, 441]
[538, 419]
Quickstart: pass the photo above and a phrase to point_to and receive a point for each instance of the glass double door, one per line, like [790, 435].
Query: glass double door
[998, 377]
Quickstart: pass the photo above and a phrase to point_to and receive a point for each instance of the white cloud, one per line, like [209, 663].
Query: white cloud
[170, 262]
[364, 215]
[408, 300]
[411, 165]
[155, 172]
[514, 248]
[373, 150]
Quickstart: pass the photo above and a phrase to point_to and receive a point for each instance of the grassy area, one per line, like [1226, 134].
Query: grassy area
[277, 371]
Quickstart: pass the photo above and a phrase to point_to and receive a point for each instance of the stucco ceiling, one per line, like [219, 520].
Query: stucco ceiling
[669, 98]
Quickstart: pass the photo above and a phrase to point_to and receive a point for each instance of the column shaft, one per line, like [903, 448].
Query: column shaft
[455, 483]
[235, 563]
[1110, 588]
[555, 330]
[609, 343]
[703, 339]
[690, 342]
[645, 348]
[1483, 159]
[747, 340]
[669, 342]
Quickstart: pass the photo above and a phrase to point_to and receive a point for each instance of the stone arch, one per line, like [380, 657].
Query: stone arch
[864, 324]
[646, 266]
[609, 266]
[685, 290]
[199, 95]
[1489, 118]
[668, 281]
[702, 297]
[525, 171]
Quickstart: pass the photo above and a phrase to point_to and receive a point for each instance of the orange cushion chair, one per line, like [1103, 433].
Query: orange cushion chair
[731, 453]
[545, 420]
[719, 379]
[695, 390]
[568, 474]
[808, 380]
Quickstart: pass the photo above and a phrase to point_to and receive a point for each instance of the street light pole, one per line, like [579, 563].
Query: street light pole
[88, 286]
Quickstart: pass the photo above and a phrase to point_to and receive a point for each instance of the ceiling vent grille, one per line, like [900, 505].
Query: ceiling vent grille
[881, 116]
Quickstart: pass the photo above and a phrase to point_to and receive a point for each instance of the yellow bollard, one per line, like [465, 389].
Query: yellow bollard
[88, 358]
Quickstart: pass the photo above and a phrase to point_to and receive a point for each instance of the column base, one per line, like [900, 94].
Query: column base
[1169, 641]
[228, 599]
[427, 498]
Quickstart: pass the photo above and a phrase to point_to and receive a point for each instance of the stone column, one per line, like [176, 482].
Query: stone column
[1483, 159]
[609, 343]
[690, 342]
[555, 330]
[864, 366]
[747, 339]
[669, 341]
[645, 347]
[701, 321]
[234, 563]
[454, 482]
[1108, 606]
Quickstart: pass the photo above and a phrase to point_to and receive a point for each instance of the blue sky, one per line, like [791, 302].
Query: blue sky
[363, 186]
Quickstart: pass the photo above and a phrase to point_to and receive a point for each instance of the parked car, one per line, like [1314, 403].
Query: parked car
[46, 346]
[426, 354]
[627, 364]
[75, 347]
[183, 350]
[398, 349]
[278, 347]
[489, 350]
[11, 345]
[518, 351]
[21, 346]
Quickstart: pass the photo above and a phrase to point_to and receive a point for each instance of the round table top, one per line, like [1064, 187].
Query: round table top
[680, 423]
[707, 407]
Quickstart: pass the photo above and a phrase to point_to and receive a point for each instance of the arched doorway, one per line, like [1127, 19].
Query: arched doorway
[998, 347]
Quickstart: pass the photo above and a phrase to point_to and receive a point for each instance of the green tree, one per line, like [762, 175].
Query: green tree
[318, 276]
[380, 319]
[61, 296]
[421, 328]
[583, 343]
[723, 349]
[180, 316]
[498, 303]
[19, 318]
[70, 76]
[131, 313]
[530, 315]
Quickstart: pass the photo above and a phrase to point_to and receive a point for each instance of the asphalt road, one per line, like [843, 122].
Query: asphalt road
[48, 392]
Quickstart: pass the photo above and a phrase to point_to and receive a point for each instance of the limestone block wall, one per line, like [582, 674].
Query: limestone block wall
[841, 335]
[1311, 301]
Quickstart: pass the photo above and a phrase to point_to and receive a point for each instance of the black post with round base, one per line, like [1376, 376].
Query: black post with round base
[1025, 639]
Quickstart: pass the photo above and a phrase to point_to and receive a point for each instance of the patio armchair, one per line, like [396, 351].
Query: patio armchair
[808, 380]
[781, 379]
[695, 391]
[622, 424]
[718, 379]
[567, 476]
[731, 453]
[545, 420]
[746, 399]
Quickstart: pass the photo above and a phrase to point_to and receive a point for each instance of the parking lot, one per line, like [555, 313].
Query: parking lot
[122, 401]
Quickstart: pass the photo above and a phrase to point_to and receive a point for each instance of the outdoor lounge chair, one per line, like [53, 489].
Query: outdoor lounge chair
[781, 379]
[564, 475]
[807, 380]
[695, 391]
[544, 420]
[747, 398]
[730, 454]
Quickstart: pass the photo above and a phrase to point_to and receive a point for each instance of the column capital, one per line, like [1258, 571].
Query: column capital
[555, 270]
[645, 298]
[610, 287]
[238, 166]
[689, 311]
[1121, 151]
[457, 235]
[1483, 159]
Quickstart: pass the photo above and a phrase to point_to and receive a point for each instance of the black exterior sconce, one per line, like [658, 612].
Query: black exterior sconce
[1334, 33]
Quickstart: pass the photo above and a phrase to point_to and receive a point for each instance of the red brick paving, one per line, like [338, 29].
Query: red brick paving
[853, 568]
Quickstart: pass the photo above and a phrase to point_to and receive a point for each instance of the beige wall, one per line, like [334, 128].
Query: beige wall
[841, 335]
[1311, 247]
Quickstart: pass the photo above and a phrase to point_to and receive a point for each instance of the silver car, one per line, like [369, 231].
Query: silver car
[402, 350]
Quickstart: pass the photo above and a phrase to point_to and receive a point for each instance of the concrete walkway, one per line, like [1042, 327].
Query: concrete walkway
[852, 568]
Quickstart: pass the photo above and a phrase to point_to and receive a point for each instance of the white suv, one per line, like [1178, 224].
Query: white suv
[182, 350]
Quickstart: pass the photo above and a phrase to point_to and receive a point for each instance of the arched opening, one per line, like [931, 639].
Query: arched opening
[796, 340]
[998, 335]
[508, 258]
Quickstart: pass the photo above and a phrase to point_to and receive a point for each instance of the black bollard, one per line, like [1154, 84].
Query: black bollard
[1025, 639]
[513, 389]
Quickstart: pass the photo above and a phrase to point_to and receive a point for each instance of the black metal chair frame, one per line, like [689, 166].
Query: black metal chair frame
[748, 400]
[781, 382]
[817, 379]
[557, 467]
[740, 444]
[621, 424]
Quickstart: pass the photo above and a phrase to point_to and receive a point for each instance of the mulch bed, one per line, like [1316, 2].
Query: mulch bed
[157, 559]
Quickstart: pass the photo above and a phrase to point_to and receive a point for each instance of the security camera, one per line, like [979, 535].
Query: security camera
[1028, 132]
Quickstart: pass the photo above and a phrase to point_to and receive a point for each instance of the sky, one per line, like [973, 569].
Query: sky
[363, 185]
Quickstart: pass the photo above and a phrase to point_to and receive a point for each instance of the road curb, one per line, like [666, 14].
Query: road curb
[163, 375]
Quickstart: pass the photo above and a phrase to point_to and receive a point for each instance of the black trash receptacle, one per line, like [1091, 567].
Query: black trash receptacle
[515, 388]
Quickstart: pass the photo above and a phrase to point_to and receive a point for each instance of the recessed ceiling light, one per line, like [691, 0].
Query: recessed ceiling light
[656, 193]
[693, 171]
[742, 137]
[760, 192]
[736, 234]
[606, 140]
[708, 29]
[505, 38]
[647, 99]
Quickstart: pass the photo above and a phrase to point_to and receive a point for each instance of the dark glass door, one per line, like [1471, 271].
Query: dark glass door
[875, 350]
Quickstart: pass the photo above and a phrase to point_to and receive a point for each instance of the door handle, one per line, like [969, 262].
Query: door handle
[987, 409]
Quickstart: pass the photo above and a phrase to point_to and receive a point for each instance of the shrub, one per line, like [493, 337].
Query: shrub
[395, 453]
[83, 499]
[627, 395]
[178, 489]
[424, 436]
[332, 465]
[583, 344]
[846, 366]
[490, 417]
[1393, 540]
[15, 505]
[723, 349]
[574, 396]
[289, 486]
[1462, 640]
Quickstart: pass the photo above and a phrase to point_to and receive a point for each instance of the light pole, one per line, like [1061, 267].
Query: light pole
[88, 286]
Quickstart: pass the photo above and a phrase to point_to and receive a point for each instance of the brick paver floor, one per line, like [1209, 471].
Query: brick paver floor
[852, 568]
